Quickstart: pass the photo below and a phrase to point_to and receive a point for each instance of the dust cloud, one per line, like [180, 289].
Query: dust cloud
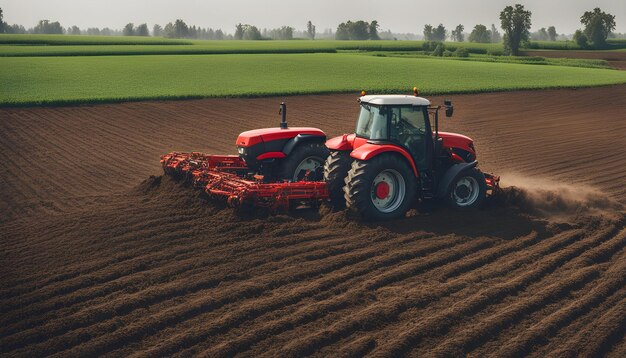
[554, 198]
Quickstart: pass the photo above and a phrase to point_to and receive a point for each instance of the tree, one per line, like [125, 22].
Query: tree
[157, 30]
[480, 34]
[282, 33]
[181, 30]
[74, 30]
[581, 39]
[2, 25]
[541, 35]
[515, 21]
[219, 34]
[47, 27]
[239, 31]
[373, 30]
[310, 30]
[168, 30]
[435, 34]
[359, 30]
[598, 26]
[440, 33]
[342, 31]
[552, 33]
[457, 33]
[428, 32]
[129, 29]
[14, 29]
[251, 33]
[142, 30]
[495, 35]
[192, 32]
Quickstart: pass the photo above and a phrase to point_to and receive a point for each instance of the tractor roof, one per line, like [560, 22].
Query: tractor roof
[394, 99]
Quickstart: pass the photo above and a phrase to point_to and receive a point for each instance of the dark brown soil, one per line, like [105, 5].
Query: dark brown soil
[616, 59]
[101, 255]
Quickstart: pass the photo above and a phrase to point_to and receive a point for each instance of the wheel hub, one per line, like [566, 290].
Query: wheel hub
[462, 191]
[382, 190]
[388, 191]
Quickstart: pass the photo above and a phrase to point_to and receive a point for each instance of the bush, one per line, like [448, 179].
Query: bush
[447, 53]
[461, 52]
[581, 39]
[438, 50]
[495, 52]
[430, 45]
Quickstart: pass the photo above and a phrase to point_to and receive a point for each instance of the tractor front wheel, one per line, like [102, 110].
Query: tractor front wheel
[305, 162]
[381, 188]
[468, 190]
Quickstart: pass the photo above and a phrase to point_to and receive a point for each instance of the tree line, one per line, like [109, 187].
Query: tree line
[358, 30]
[515, 21]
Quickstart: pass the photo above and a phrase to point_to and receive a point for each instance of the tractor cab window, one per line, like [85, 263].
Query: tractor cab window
[372, 123]
[408, 128]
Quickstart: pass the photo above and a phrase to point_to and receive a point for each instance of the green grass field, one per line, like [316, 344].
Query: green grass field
[72, 45]
[67, 45]
[215, 47]
[528, 60]
[64, 80]
[29, 39]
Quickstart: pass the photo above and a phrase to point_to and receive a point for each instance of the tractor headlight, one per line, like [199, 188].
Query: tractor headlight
[241, 150]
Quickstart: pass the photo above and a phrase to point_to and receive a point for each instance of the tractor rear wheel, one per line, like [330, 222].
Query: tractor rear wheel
[336, 168]
[381, 188]
[468, 190]
[305, 162]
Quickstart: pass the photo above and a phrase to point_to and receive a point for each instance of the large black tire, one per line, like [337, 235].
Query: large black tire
[364, 177]
[467, 191]
[306, 155]
[336, 168]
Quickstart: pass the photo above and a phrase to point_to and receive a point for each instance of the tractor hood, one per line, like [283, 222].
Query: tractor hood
[250, 138]
[455, 140]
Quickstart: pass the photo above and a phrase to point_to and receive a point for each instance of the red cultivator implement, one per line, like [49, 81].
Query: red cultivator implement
[227, 177]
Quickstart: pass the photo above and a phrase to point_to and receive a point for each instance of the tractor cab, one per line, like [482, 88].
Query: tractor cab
[397, 120]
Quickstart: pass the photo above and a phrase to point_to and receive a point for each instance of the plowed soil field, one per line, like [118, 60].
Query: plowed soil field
[100, 254]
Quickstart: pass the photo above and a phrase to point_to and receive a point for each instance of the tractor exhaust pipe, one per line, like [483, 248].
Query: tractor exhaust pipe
[283, 115]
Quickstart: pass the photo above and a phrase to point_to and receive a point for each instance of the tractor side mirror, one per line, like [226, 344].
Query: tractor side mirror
[449, 107]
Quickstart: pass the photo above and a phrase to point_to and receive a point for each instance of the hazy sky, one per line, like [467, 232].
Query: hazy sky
[396, 15]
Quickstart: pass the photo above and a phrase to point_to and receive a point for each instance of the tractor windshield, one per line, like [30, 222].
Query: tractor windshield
[372, 124]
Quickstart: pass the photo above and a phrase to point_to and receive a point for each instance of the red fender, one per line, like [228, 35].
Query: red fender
[344, 142]
[369, 150]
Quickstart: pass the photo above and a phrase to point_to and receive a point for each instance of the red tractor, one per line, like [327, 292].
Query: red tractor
[394, 158]
[292, 154]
